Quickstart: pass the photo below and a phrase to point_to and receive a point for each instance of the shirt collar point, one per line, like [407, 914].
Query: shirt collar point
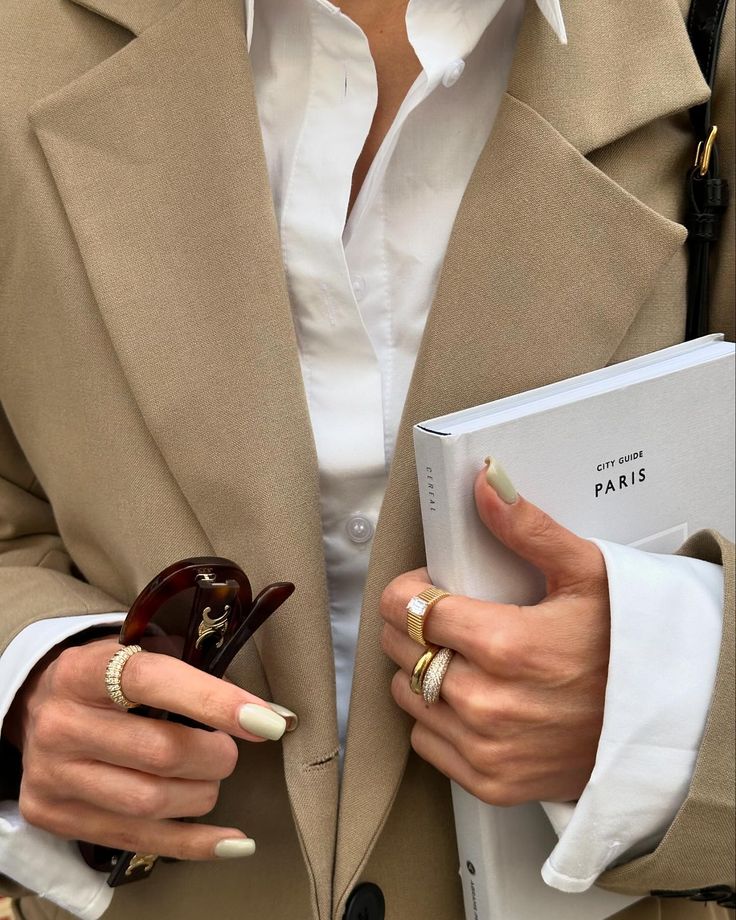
[552, 12]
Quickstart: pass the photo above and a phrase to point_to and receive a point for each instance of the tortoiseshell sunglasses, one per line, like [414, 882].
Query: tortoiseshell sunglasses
[202, 611]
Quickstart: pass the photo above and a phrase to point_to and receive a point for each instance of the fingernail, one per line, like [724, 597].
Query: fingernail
[234, 847]
[499, 481]
[261, 721]
[292, 719]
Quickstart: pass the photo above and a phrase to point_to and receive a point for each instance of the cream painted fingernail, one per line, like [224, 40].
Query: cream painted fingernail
[499, 481]
[261, 721]
[235, 847]
[292, 719]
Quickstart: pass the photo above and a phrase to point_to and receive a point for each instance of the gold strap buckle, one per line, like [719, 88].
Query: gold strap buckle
[704, 152]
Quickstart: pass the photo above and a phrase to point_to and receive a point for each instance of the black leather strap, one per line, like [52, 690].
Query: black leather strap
[704, 24]
[722, 895]
[707, 193]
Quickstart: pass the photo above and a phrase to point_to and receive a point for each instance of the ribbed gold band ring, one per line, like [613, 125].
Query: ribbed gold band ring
[435, 674]
[418, 608]
[114, 672]
[420, 669]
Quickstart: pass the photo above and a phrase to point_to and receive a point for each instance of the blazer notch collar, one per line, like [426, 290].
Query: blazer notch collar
[134, 15]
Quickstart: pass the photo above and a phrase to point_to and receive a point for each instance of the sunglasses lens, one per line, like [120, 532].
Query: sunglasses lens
[163, 627]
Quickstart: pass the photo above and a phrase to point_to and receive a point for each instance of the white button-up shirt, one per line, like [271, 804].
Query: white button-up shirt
[361, 286]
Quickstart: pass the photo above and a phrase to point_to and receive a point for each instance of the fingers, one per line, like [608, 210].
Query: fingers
[130, 832]
[561, 555]
[123, 791]
[151, 746]
[163, 682]
[439, 752]
[494, 636]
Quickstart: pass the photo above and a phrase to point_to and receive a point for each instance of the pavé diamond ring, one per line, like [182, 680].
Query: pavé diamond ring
[114, 672]
[435, 674]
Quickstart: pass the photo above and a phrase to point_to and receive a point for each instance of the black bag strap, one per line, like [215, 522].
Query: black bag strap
[707, 193]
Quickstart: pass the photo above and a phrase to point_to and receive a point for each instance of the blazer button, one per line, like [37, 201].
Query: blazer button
[365, 903]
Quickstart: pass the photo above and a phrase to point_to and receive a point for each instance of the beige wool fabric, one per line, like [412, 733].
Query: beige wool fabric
[153, 406]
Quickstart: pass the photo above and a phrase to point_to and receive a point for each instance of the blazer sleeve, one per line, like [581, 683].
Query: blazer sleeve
[699, 849]
[36, 572]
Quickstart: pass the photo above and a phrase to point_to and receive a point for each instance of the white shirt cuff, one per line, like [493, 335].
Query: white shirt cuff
[666, 623]
[39, 861]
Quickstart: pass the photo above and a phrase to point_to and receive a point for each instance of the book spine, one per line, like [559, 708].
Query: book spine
[435, 487]
[438, 490]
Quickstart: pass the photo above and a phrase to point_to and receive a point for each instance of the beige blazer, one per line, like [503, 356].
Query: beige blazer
[154, 409]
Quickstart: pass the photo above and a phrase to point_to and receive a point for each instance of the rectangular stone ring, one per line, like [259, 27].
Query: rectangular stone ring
[418, 608]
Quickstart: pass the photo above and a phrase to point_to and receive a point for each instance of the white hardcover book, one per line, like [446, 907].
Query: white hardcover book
[639, 453]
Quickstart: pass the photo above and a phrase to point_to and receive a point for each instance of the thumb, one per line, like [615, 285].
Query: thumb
[561, 555]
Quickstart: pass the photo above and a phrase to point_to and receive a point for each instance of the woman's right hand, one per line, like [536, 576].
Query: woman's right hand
[93, 772]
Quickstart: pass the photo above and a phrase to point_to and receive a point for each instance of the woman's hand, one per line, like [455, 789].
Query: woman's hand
[94, 772]
[522, 701]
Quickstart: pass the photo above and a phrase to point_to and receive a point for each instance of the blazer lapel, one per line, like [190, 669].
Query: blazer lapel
[158, 158]
[547, 266]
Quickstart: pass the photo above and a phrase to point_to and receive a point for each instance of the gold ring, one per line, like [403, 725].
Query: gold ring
[420, 669]
[114, 672]
[418, 608]
[435, 674]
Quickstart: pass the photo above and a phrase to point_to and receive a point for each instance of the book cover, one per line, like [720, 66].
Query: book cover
[612, 454]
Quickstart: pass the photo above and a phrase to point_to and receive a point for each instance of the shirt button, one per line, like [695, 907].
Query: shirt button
[358, 286]
[359, 528]
[453, 73]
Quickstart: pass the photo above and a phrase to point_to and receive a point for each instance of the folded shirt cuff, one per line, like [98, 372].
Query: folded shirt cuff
[666, 624]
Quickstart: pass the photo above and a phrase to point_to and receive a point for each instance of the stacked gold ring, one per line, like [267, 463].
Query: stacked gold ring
[416, 681]
[418, 608]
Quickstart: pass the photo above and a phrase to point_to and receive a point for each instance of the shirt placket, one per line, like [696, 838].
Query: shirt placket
[341, 373]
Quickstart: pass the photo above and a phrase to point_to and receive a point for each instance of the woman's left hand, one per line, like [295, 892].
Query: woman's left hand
[522, 702]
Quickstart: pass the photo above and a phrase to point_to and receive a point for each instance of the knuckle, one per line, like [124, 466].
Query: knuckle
[45, 727]
[39, 775]
[419, 740]
[541, 527]
[391, 597]
[226, 757]
[207, 800]
[479, 755]
[36, 811]
[507, 649]
[187, 848]
[32, 809]
[493, 792]
[146, 799]
[126, 839]
[212, 705]
[502, 646]
[162, 755]
[64, 672]
[478, 709]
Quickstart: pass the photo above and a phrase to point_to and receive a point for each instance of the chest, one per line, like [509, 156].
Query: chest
[397, 67]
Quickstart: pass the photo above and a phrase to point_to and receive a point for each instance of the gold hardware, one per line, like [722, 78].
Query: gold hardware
[212, 626]
[141, 860]
[705, 151]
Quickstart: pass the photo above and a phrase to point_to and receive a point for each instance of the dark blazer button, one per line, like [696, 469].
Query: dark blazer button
[365, 903]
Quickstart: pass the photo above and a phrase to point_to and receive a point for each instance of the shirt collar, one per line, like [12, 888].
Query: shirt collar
[552, 12]
[446, 31]
[470, 16]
